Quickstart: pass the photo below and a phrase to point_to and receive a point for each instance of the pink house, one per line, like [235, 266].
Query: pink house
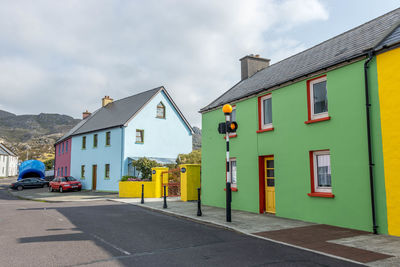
[62, 159]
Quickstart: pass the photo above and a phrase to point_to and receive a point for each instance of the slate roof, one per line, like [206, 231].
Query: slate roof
[76, 127]
[346, 46]
[118, 113]
[3, 152]
[6, 150]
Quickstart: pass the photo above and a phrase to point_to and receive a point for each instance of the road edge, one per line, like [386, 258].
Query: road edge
[199, 220]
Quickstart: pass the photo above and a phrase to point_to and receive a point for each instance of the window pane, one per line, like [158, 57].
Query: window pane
[270, 163]
[270, 173]
[233, 172]
[160, 112]
[324, 170]
[320, 97]
[267, 106]
[233, 116]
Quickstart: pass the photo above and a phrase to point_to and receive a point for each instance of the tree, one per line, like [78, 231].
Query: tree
[144, 165]
[193, 157]
[49, 164]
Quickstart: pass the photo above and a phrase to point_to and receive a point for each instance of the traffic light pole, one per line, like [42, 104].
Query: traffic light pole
[228, 174]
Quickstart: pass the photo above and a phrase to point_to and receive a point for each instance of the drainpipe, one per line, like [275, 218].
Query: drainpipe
[371, 164]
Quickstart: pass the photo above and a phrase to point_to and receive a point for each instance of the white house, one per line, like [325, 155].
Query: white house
[8, 162]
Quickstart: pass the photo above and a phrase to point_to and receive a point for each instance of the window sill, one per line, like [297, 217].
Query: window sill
[320, 194]
[139, 143]
[160, 118]
[265, 130]
[318, 120]
[105, 178]
[107, 145]
[234, 189]
[231, 136]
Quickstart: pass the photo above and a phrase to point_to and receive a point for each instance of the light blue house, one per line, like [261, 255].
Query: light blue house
[148, 124]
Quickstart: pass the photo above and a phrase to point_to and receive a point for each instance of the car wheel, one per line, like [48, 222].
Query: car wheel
[20, 188]
[79, 189]
[42, 185]
[61, 189]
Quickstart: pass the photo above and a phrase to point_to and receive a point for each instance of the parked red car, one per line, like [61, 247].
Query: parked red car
[62, 184]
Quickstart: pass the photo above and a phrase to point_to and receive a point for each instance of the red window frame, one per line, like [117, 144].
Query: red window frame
[260, 129]
[310, 120]
[313, 192]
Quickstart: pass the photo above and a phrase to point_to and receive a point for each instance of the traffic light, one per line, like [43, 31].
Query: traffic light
[231, 126]
[222, 128]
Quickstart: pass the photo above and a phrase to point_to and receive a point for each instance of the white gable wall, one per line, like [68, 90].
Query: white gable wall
[3, 165]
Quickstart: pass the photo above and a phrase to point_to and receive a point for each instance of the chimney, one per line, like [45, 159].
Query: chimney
[106, 100]
[251, 64]
[85, 114]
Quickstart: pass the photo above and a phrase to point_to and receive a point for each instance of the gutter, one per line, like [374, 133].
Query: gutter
[370, 160]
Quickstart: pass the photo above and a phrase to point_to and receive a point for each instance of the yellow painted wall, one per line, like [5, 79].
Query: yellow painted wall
[190, 181]
[153, 189]
[388, 67]
[134, 189]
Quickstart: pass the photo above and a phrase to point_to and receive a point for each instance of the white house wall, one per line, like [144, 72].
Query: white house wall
[3, 165]
[12, 166]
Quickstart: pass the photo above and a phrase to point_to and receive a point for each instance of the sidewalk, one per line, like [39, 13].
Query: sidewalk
[353, 245]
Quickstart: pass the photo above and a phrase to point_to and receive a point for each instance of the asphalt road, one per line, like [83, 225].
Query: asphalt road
[105, 233]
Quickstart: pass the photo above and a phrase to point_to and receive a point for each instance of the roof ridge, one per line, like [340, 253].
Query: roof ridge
[158, 88]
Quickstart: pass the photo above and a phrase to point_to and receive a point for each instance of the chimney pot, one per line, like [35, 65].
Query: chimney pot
[251, 64]
[85, 114]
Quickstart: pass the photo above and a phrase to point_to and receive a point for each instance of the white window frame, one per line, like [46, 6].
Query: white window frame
[234, 185]
[318, 189]
[323, 114]
[269, 125]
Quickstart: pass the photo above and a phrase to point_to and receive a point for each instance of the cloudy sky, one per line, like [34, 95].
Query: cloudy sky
[64, 56]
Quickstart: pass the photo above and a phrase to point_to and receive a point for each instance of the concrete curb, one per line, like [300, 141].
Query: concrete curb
[199, 220]
[52, 201]
[32, 199]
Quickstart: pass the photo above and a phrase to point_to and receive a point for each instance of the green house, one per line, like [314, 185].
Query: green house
[302, 147]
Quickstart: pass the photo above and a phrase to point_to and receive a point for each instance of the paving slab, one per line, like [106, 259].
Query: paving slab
[343, 243]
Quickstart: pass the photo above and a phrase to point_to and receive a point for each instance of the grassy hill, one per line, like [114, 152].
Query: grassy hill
[33, 135]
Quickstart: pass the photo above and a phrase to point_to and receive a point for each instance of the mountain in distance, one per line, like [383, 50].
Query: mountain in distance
[33, 136]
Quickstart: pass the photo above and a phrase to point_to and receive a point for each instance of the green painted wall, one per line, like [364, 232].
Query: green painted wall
[290, 142]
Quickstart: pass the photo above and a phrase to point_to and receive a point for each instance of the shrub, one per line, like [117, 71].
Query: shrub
[144, 165]
[193, 157]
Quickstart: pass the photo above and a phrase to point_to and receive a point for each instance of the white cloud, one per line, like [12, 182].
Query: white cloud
[66, 55]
